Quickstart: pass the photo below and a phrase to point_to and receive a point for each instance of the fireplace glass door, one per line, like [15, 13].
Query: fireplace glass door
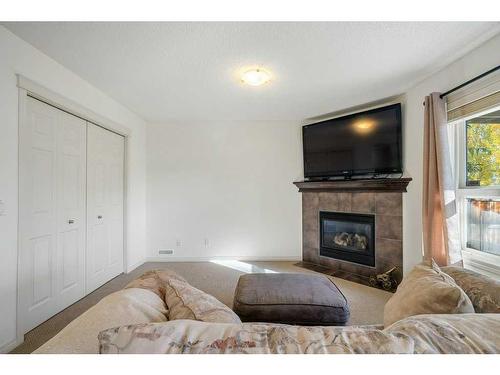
[348, 236]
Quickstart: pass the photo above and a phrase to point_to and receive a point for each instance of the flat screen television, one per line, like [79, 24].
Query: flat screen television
[358, 144]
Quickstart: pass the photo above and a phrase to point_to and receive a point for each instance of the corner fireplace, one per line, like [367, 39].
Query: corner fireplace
[348, 236]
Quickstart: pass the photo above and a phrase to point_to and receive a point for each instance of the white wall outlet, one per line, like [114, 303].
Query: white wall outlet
[178, 243]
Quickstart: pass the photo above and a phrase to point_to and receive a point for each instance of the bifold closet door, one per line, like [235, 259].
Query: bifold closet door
[105, 162]
[52, 159]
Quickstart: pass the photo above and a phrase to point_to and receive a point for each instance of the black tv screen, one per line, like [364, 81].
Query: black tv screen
[363, 143]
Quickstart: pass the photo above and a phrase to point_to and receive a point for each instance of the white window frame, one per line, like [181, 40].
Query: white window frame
[479, 261]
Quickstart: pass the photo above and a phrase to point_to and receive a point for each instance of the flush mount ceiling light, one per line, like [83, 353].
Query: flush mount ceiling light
[255, 77]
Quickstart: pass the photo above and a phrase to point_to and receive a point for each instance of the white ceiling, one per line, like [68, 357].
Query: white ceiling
[187, 71]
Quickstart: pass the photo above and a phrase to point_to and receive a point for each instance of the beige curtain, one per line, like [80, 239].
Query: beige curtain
[440, 219]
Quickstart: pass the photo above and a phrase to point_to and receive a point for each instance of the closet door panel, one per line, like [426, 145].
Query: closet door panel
[70, 261]
[105, 152]
[115, 209]
[52, 147]
[71, 179]
[70, 210]
[41, 270]
[96, 206]
[37, 214]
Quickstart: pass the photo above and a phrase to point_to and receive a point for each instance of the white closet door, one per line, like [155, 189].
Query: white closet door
[51, 194]
[105, 162]
[71, 219]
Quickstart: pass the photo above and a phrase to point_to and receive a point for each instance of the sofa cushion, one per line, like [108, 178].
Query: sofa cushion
[483, 291]
[426, 290]
[186, 302]
[464, 333]
[290, 298]
[447, 333]
[192, 337]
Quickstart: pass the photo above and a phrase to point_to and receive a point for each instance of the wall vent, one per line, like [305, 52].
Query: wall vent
[166, 252]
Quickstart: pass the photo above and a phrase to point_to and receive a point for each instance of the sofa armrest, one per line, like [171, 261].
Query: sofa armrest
[127, 306]
[483, 291]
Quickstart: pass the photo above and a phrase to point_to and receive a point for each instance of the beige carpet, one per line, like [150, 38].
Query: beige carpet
[219, 279]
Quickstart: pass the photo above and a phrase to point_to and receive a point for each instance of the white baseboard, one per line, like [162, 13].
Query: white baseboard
[11, 345]
[240, 258]
[134, 266]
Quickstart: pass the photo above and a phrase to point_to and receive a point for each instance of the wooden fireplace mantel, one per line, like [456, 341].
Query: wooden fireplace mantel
[356, 185]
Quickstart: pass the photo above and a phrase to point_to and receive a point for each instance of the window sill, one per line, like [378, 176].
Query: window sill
[481, 262]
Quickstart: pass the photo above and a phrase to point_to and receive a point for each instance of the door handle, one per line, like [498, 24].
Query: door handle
[99, 217]
[71, 221]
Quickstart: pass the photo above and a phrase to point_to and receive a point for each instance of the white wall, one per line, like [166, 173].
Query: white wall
[20, 57]
[202, 183]
[228, 182]
[476, 62]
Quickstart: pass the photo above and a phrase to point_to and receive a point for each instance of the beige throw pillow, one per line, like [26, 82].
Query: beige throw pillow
[426, 290]
[186, 302]
[155, 281]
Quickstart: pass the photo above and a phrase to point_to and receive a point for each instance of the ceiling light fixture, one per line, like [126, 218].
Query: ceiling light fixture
[256, 77]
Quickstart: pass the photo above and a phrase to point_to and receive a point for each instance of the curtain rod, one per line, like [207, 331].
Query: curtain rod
[469, 81]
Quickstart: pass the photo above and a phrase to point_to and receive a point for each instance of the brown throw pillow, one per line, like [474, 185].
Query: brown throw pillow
[186, 302]
[426, 290]
[483, 291]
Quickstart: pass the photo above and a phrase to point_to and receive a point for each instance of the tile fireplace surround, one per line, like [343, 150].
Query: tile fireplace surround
[381, 199]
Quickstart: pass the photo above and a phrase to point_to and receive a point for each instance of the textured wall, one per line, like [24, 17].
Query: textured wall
[224, 189]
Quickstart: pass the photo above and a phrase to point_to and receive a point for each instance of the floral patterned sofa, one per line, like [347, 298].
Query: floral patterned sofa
[161, 313]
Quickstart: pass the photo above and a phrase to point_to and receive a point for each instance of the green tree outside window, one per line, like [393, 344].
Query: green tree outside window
[483, 151]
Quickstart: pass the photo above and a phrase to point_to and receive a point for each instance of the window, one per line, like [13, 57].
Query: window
[482, 141]
[476, 151]
[483, 225]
